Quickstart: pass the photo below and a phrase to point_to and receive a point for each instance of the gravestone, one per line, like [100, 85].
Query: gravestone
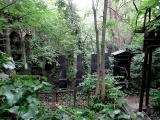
[93, 63]
[106, 61]
[36, 70]
[79, 70]
[122, 62]
[63, 79]
[109, 46]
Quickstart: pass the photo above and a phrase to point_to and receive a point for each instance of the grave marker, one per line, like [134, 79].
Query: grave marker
[106, 61]
[109, 49]
[63, 79]
[93, 63]
[79, 70]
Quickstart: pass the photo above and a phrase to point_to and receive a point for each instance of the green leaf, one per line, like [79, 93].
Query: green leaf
[27, 116]
[14, 109]
[10, 97]
[46, 83]
[33, 108]
[22, 110]
[103, 117]
[119, 102]
[37, 87]
[4, 76]
[13, 98]
[2, 90]
[117, 111]
[9, 65]
[111, 113]
[124, 116]
[28, 83]
[140, 114]
[31, 99]
[18, 84]
[6, 10]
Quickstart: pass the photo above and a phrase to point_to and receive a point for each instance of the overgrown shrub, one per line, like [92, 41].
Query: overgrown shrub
[19, 94]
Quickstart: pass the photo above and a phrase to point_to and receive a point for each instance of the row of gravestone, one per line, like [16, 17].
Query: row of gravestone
[122, 60]
[79, 79]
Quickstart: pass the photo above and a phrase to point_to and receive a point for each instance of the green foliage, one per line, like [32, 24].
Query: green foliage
[6, 62]
[113, 92]
[74, 113]
[89, 82]
[20, 96]
[136, 67]
[155, 76]
[155, 13]
[111, 110]
[155, 93]
[41, 54]
[70, 65]
[110, 24]
[136, 64]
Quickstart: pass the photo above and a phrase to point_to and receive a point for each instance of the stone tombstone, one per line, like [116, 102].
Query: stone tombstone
[79, 69]
[36, 70]
[122, 62]
[109, 49]
[48, 66]
[93, 63]
[106, 61]
[62, 79]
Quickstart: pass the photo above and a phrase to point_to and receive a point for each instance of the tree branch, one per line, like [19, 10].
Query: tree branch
[117, 14]
[1, 9]
[124, 4]
[135, 6]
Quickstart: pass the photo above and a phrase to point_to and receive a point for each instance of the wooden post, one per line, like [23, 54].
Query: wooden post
[143, 81]
[148, 80]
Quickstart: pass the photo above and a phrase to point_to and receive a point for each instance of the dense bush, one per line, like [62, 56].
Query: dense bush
[19, 94]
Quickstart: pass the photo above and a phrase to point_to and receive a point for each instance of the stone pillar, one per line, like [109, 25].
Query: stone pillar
[79, 70]
[93, 63]
[63, 79]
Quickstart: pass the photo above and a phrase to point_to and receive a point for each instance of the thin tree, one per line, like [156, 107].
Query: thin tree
[100, 85]
[97, 46]
[103, 89]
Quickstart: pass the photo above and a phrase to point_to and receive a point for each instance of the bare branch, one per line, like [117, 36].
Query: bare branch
[118, 14]
[135, 6]
[123, 4]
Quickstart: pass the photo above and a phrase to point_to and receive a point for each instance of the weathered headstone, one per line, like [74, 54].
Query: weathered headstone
[36, 70]
[93, 63]
[79, 70]
[106, 61]
[63, 79]
[109, 49]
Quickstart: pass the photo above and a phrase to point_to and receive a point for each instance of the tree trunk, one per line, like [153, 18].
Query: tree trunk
[97, 46]
[23, 47]
[7, 39]
[103, 90]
